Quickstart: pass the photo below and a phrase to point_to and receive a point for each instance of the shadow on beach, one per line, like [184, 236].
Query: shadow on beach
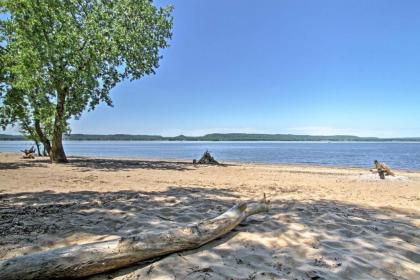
[106, 164]
[21, 163]
[321, 239]
[127, 164]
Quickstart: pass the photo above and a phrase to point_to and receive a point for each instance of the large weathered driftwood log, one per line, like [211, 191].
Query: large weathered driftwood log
[207, 158]
[383, 169]
[88, 259]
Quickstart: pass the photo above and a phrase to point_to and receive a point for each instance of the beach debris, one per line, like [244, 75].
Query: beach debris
[88, 259]
[29, 153]
[207, 158]
[382, 169]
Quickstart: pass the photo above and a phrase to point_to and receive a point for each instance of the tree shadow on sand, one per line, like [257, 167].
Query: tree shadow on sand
[113, 164]
[320, 239]
[88, 164]
[106, 164]
[39, 162]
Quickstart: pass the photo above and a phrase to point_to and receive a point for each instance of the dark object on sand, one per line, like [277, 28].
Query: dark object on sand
[207, 158]
[383, 169]
[29, 153]
[77, 261]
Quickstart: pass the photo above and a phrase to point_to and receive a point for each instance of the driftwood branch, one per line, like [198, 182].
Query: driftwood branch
[382, 169]
[29, 153]
[88, 259]
[207, 158]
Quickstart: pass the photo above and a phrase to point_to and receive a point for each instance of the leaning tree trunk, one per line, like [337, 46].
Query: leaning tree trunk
[37, 148]
[45, 141]
[88, 259]
[57, 150]
[45, 153]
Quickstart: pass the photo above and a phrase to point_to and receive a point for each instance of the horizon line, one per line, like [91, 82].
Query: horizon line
[228, 133]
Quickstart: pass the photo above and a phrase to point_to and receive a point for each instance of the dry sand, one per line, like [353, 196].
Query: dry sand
[325, 223]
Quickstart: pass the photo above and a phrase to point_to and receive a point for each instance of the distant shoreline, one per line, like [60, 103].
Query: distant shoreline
[217, 137]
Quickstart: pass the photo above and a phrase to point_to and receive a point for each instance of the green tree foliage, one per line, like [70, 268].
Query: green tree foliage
[73, 52]
[33, 113]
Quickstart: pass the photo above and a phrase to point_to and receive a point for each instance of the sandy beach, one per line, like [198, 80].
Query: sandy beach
[324, 222]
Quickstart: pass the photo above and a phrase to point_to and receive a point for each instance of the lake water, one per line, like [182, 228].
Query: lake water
[358, 154]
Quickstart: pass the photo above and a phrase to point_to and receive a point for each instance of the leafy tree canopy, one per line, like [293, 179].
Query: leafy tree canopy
[73, 52]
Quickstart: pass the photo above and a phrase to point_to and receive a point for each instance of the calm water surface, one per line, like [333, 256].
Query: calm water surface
[358, 154]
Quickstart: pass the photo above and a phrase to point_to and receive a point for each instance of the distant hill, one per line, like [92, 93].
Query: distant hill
[9, 137]
[113, 137]
[215, 137]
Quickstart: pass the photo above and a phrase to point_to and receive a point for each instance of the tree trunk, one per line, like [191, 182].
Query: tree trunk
[57, 150]
[88, 259]
[45, 141]
[37, 148]
[45, 153]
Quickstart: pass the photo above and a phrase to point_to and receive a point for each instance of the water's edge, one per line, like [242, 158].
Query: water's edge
[403, 156]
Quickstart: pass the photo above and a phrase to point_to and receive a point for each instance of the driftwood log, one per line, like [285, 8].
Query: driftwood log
[207, 158]
[29, 153]
[383, 169]
[88, 259]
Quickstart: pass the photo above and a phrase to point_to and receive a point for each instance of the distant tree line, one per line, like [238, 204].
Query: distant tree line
[213, 137]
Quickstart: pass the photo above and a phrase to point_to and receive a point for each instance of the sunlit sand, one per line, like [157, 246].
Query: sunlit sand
[333, 223]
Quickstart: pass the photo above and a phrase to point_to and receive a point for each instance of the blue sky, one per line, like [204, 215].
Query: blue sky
[280, 66]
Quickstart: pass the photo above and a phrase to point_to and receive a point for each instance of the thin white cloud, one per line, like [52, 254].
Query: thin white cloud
[365, 132]
[204, 131]
[319, 130]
